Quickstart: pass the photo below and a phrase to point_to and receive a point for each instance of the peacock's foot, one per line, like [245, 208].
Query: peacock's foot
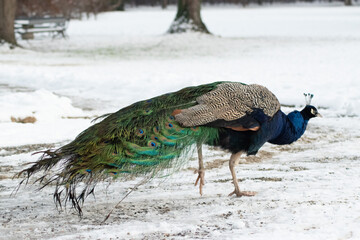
[239, 193]
[201, 180]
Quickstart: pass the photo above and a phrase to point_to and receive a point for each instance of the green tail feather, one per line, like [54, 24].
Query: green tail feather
[142, 138]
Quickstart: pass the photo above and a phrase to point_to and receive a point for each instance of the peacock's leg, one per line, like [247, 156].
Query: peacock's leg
[234, 160]
[201, 170]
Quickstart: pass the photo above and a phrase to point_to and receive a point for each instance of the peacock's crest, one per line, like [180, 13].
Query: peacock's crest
[308, 98]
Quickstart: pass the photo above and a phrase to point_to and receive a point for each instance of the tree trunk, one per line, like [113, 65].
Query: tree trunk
[164, 4]
[188, 18]
[7, 17]
[347, 2]
[121, 7]
[116, 5]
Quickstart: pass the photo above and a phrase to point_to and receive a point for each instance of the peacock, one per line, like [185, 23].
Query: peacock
[154, 137]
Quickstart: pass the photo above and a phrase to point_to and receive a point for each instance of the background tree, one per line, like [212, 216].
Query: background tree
[65, 8]
[188, 17]
[164, 4]
[7, 16]
[348, 2]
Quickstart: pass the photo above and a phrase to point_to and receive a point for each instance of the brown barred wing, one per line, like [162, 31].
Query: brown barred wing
[231, 104]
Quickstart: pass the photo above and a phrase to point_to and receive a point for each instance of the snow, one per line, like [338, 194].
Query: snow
[40, 103]
[307, 190]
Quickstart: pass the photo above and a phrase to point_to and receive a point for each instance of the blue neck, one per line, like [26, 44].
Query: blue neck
[293, 127]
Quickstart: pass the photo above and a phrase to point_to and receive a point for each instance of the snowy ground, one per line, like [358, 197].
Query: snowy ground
[308, 190]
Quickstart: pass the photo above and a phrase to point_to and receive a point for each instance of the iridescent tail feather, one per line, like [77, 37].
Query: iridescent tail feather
[142, 139]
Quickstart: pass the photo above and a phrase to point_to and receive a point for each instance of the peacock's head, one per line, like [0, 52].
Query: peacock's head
[309, 111]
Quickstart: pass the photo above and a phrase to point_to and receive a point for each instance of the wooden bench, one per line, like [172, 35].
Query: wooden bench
[27, 27]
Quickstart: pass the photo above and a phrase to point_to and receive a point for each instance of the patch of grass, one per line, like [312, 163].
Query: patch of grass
[299, 168]
[2, 177]
[29, 119]
[266, 169]
[268, 179]
[222, 180]
[265, 179]
[25, 149]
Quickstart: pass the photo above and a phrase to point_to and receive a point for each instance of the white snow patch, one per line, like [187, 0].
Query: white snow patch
[42, 104]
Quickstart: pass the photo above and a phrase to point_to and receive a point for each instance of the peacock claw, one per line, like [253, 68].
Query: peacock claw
[201, 180]
[243, 193]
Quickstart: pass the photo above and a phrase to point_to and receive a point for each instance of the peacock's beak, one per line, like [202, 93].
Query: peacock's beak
[318, 115]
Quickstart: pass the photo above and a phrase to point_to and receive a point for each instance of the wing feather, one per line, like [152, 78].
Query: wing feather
[231, 102]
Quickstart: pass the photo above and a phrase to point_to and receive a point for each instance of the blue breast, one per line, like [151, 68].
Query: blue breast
[280, 129]
[294, 126]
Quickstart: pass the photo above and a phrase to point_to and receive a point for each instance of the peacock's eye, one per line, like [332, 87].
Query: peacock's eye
[170, 125]
[152, 144]
[140, 132]
[156, 129]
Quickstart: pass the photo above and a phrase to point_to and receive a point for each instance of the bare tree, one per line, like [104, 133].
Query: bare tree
[7, 17]
[188, 18]
[65, 8]
[164, 4]
[348, 2]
